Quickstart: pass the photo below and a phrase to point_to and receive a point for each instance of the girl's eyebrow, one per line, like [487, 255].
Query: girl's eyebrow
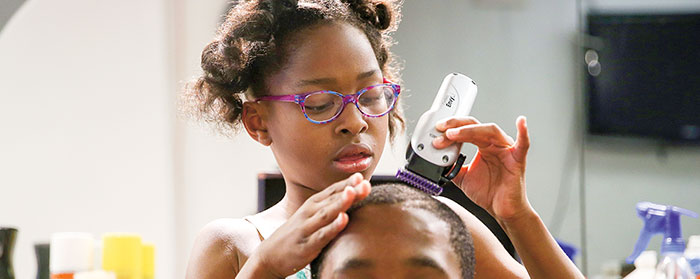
[326, 81]
[366, 74]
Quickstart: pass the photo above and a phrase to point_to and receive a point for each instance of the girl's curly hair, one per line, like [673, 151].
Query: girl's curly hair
[254, 41]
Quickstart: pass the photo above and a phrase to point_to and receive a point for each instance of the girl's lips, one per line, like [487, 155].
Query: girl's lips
[353, 163]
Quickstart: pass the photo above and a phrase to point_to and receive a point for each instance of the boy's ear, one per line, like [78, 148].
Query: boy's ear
[254, 119]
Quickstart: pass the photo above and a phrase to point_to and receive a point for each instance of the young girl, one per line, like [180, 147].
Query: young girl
[314, 80]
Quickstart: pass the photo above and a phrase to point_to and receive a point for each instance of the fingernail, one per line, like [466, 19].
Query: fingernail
[441, 123]
[359, 187]
[339, 219]
[356, 178]
[524, 119]
[346, 192]
[451, 132]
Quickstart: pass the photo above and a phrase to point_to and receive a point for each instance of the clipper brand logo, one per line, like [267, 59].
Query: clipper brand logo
[449, 101]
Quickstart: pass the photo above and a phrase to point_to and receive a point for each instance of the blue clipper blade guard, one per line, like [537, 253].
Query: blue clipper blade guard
[428, 168]
[664, 219]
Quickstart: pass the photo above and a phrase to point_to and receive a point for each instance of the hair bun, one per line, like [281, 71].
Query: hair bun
[383, 16]
[213, 63]
[377, 15]
[223, 66]
[279, 7]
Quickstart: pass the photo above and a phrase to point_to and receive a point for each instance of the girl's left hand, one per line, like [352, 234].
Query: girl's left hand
[495, 179]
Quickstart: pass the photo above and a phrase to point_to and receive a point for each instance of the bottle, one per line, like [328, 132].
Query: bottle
[644, 266]
[609, 270]
[674, 265]
[70, 252]
[148, 251]
[692, 253]
[667, 220]
[42, 251]
[8, 236]
[95, 274]
[122, 254]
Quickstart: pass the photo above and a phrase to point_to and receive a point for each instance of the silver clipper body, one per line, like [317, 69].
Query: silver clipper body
[428, 168]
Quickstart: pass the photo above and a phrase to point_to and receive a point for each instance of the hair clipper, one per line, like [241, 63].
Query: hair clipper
[428, 168]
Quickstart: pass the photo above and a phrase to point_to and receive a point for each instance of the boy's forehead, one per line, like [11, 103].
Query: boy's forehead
[396, 216]
[392, 225]
[396, 233]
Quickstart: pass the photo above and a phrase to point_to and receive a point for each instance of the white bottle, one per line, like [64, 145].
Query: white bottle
[95, 274]
[692, 253]
[70, 252]
[674, 266]
[609, 270]
[644, 266]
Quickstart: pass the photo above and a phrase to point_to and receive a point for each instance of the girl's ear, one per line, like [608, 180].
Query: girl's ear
[255, 121]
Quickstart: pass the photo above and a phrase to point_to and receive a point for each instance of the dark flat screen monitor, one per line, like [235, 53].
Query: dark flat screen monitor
[643, 76]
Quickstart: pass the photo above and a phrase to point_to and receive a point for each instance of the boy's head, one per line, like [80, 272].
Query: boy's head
[399, 232]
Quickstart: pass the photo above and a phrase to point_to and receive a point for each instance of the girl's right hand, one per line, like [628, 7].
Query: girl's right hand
[299, 240]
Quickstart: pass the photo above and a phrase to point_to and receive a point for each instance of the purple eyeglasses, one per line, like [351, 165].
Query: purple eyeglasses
[324, 106]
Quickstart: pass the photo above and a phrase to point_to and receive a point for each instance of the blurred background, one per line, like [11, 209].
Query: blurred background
[90, 140]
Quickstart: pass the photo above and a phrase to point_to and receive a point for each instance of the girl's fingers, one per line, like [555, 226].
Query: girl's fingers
[454, 122]
[523, 143]
[442, 142]
[321, 237]
[510, 140]
[362, 190]
[337, 187]
[328, 209]
[481, 135]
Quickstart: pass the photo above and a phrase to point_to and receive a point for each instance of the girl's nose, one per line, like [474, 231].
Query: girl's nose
[351, 121]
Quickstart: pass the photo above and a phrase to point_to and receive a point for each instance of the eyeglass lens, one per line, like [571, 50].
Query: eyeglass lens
[323, 106]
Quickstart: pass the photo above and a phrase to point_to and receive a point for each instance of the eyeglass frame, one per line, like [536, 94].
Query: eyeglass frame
[351, 98]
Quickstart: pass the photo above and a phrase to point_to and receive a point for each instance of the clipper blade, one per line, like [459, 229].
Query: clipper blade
[419, 182]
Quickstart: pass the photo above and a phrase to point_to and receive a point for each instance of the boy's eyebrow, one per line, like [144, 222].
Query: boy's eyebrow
[354, 263]
[424, 261]
[325, 81]
[416, 261]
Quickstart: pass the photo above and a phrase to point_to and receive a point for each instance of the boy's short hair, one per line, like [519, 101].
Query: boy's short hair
[408, 197]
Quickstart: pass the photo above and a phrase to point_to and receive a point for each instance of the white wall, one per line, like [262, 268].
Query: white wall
[86, 115]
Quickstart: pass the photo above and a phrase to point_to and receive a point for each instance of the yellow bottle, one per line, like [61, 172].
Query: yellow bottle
[122, 254]
[148, 256]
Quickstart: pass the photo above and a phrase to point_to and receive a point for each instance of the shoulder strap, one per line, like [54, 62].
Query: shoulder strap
[248, 219]
[265, 228]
